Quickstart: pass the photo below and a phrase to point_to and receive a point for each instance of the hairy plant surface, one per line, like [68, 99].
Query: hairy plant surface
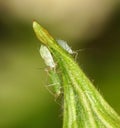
[84, 107]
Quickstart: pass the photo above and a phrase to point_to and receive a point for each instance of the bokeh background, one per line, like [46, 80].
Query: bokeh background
[91, 25]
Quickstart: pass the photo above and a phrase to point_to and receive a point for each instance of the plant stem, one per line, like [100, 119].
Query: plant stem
[84, 107]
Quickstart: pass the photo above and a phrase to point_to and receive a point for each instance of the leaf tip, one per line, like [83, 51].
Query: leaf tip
[35, 25]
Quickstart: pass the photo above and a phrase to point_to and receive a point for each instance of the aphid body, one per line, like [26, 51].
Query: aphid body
[65, 46]
[46, 55]
[56, 82]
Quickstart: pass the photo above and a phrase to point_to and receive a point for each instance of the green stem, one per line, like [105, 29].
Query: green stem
[84, 107]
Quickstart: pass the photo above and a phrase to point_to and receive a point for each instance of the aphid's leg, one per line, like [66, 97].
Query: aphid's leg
[76, 55]
[46, 86]
[59, 98]
[46, 70]
[50, 91]
[57, 101]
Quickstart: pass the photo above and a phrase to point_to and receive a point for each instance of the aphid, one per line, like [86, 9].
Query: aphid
[56, 82]
[47, 57]
[54, 77]
[65, 46]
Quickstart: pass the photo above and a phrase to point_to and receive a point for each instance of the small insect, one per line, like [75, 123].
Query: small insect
[54, 77]
[47, 57]
[56, 82]
[65, 46]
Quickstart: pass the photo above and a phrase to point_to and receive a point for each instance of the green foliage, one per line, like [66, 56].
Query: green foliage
[84, 107]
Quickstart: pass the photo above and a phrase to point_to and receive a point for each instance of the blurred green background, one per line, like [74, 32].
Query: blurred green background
[90, 25]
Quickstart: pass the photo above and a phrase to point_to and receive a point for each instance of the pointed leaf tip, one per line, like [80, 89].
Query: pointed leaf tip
[42, 34]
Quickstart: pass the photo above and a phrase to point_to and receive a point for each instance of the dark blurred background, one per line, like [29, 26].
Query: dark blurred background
[92, 25]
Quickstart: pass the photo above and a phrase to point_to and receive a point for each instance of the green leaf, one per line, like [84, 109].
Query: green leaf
[84, 107]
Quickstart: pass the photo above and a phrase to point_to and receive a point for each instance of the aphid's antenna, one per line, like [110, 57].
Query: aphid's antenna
[80, 50]
[83, 49]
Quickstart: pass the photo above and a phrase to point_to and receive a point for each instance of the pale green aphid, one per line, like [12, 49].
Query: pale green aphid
[65, 46]
[54, 77]
[46, 55]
